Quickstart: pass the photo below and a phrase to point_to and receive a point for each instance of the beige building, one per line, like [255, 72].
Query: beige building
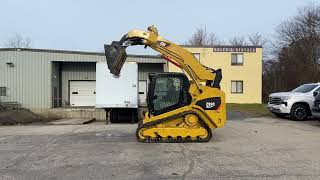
[241, 70]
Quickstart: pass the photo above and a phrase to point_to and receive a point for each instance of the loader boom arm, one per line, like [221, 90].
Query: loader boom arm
[171, 52]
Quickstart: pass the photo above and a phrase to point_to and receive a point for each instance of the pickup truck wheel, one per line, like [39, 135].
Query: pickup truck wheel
[280, 115]
[299, 112]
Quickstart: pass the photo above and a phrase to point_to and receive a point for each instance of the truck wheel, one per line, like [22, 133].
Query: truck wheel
[280, 115]
[299, 112]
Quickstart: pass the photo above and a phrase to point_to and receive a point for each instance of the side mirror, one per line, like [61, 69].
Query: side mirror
[315, 93]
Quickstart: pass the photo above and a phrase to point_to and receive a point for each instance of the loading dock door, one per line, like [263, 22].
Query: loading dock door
[82, 93]
[142, 92]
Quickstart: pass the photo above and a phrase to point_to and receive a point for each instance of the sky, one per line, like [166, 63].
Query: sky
[86, 25]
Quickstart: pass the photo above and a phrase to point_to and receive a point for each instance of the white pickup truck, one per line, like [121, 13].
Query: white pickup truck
[297, 104]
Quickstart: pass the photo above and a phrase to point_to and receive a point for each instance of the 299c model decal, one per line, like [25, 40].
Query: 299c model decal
[209, 103]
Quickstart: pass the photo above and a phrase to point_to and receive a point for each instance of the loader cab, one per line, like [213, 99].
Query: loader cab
[167, 91]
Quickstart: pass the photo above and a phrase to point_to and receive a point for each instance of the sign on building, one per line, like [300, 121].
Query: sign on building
[234, 49]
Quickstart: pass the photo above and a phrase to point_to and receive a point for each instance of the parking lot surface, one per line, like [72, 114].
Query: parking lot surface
[261, 148]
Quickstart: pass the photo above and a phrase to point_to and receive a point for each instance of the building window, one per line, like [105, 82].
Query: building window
[237, 87]
[197, 56]
[237, 59]
[3, 91]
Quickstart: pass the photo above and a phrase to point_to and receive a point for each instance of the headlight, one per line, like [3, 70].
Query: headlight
[286, 98]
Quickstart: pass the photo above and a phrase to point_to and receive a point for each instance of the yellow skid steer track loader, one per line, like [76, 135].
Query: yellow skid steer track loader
[182, 107]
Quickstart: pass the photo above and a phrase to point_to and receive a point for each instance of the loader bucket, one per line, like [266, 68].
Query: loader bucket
[116, 56]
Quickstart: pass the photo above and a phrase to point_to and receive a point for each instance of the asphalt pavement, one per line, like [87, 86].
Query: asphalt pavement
[260, 148]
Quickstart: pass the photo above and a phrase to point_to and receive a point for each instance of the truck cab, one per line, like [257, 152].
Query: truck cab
[297, 103]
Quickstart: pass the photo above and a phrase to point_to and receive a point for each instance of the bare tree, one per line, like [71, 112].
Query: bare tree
[18, 41]
[296, 51]
[238, 41]
[199, 37]
[256, 39]
[213, 39]
[202, 38]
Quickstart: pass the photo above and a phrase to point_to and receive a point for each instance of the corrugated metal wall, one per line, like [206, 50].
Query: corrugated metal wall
[35, 75]
[28, 82]
[56, 84]
[145, 69]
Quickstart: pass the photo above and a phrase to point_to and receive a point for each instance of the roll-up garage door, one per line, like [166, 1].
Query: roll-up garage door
[82, 93]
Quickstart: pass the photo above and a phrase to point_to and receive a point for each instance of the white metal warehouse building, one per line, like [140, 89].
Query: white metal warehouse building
[41, 79]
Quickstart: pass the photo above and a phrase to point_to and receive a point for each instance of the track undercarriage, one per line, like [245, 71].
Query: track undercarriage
[180, 128]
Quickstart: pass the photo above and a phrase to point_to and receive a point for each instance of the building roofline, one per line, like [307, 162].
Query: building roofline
[219, 46]
[129, 55]
[73, 52]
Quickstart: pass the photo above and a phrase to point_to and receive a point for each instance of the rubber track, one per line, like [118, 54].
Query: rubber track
[173, 140]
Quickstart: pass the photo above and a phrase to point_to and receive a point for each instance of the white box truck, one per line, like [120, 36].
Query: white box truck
[118, 95]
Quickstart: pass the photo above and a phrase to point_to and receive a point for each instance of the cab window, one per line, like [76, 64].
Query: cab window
[305, 88]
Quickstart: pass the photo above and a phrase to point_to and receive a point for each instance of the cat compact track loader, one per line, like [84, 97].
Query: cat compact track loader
[182, 107]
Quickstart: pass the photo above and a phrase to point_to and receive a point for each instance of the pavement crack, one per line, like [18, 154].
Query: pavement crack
[191, 162]
[37, 149]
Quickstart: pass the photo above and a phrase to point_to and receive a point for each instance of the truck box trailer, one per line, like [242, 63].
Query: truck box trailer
[118, 95]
